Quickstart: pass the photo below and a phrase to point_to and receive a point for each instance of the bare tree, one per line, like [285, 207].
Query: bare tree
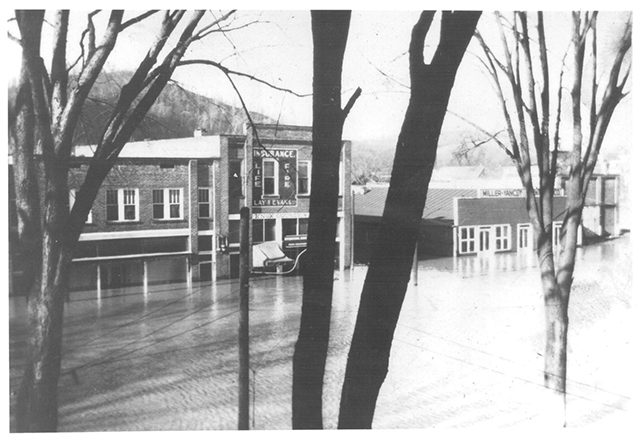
[521, 76]
[43, 121]
[330, 30]
[389, 271]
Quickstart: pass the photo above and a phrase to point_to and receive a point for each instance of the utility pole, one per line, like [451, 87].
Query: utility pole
[243, 330]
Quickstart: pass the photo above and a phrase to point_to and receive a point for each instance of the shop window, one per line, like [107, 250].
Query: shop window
[72, 201]
[122, 204]
[264, 230]
[167, 203]
[466, 240]
[204, 203]
[524, 236]
[295, 227]
[269, 177]
[503, 237]
[304, 177]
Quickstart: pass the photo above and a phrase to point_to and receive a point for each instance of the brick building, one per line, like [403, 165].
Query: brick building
[169, 209]
[466, 221]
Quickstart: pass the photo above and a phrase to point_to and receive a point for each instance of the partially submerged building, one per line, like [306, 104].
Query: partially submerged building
[169, 209]
[472, 221]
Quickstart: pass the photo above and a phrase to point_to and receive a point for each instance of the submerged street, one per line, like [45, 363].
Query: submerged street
[468, 350]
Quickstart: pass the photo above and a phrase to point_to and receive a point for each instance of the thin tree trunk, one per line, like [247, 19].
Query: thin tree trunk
[330, 30]
[390, 266]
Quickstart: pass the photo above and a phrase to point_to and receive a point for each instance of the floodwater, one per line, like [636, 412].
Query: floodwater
[468, 349]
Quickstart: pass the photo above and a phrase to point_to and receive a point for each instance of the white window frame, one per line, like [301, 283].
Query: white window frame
[556, 234]
[480, 231]
[470, 240]
[306, 163]
[72, 201]
[502, 237]
[121, 205]
[209, 193]
[528, 230]
[167, 195]
[276, 177]
[341, 178]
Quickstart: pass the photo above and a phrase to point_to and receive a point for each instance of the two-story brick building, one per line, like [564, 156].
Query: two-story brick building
[169, 209]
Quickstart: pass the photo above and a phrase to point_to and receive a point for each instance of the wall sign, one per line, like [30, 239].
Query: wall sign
[512, 193]
[274, 177]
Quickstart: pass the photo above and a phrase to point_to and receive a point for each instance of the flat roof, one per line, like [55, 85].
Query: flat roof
[188, 147]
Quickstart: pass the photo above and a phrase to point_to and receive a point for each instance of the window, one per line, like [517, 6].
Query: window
[295, 227]
[72, 201]
[466, 240]
[264, 230]
[304, 177]
[341, 179]
[557, 233]
[269, 177]
[503, 237]
[484, 239]
[167, 203]
[524, 236]
[122, 204]
[204, 203]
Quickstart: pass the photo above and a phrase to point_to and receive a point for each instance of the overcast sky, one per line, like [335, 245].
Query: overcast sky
[278, 49]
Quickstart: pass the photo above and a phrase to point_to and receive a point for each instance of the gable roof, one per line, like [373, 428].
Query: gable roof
[438, 207]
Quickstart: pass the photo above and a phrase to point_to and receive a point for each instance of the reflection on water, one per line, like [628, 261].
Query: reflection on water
[165, 356]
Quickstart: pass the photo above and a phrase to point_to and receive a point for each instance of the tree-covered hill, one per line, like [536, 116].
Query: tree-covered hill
[176, 113]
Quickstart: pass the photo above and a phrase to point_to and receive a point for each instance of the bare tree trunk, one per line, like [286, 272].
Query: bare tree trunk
[37, 406]
[330, 30]
[390, 267]
[44, 113]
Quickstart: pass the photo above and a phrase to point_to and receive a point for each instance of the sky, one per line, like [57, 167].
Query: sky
[276, 46]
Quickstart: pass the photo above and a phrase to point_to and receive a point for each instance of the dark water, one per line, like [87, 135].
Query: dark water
[467, 351]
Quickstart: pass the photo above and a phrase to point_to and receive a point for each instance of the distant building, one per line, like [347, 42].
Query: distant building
[169, 209]
[471, 221]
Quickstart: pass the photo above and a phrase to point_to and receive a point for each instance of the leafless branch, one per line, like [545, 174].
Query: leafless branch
[228, 71]
[137, 19]
[351, 102]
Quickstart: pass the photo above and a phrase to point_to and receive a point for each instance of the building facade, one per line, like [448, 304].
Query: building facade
[169, 209]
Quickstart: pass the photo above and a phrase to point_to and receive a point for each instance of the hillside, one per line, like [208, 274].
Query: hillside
[176, 113]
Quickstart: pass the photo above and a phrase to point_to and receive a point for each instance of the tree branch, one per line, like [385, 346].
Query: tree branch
[228, 71]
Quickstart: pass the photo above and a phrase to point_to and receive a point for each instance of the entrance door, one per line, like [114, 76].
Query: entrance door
[484, 239]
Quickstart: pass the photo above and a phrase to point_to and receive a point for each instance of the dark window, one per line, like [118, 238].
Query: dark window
[204, 203]
[204, 243]
[269, 177]
[234, 231]
[303, 178]
[112, 205]
[158, 204]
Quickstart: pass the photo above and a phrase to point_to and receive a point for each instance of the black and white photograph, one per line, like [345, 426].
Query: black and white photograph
[275, 218]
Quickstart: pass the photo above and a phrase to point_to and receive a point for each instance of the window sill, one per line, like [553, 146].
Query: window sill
[123, 222]
[169, 220]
